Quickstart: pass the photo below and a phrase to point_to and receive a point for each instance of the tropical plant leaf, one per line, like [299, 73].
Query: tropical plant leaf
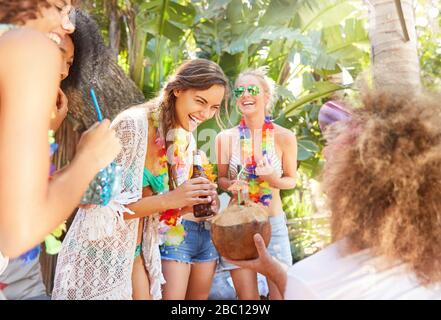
[279, 12]
[172, 32]
[306, 149]
[348, 43]
[259, 34]
[181, 14]
[321, 90]
[325, 14]
[285, 93]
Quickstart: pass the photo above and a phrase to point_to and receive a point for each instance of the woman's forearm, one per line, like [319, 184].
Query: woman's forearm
[148, 206]
[281, 183]
[19, 230]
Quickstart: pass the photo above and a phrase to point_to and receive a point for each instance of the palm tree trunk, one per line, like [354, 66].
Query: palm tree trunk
[114, 27]
[394, 45]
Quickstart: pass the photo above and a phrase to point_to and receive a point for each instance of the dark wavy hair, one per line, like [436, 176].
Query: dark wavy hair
[94, 66]
[382, 180]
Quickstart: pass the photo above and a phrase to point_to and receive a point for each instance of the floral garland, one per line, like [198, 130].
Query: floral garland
[171, 230]
[259, 191]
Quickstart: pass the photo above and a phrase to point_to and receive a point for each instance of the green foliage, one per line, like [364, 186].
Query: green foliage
[308, 232]
[429, 50]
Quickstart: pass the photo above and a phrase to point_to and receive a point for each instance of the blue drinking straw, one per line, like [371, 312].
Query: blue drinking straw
[96, 105]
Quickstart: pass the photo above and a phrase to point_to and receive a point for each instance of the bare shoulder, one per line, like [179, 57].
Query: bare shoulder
[25, 47]
[29, 41]
[284, 135]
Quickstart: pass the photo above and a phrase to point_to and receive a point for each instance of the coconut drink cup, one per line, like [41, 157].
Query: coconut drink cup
[233, 230]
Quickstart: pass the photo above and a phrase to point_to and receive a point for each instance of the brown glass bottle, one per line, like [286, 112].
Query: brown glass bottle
[204, 209]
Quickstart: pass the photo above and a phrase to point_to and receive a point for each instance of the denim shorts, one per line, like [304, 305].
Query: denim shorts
[279, 246]
[196, 247]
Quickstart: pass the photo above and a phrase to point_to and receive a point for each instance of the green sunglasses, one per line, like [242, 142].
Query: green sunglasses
[252, 90]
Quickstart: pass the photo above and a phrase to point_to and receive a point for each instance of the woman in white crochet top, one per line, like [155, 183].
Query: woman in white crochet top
[112, 252]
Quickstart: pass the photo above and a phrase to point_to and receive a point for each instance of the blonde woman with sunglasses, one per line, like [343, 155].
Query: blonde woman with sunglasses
[274, 150]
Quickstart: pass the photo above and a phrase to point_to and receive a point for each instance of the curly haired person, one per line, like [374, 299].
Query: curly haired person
[383, 187]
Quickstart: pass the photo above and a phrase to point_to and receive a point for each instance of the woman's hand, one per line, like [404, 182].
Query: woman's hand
[60, 111]
[235, 187]
[194, 191]
[99, 145]
[265, 170]
[266, 265]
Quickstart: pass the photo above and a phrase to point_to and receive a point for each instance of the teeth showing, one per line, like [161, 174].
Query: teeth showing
[194, 120]
[55, 38]
[248, 103]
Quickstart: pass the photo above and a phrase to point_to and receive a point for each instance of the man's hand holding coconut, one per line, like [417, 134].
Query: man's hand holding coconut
[265, 264]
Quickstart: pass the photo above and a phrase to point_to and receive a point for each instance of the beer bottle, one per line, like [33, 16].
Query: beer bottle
[203, 209]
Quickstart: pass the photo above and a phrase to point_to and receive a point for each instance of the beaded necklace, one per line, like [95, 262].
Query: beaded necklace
[259, 191]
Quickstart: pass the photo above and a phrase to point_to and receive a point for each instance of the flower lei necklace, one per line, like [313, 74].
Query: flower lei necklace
[259, 191]
[171, 230]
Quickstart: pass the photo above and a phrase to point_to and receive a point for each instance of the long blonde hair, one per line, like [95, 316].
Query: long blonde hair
[269, 85]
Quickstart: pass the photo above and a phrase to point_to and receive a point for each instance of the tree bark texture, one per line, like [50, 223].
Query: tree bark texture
[395, 60]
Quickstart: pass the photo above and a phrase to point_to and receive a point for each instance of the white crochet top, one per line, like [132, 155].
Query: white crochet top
[97, 255]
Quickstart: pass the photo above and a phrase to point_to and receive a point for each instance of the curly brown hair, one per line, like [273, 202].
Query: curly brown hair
[20, 11]
[383, 180]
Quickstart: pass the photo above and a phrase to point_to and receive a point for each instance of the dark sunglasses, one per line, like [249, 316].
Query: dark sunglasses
[252, 90]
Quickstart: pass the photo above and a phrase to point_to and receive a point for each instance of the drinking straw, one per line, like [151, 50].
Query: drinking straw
[96, 105]
[240, 172]
[240, 191]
